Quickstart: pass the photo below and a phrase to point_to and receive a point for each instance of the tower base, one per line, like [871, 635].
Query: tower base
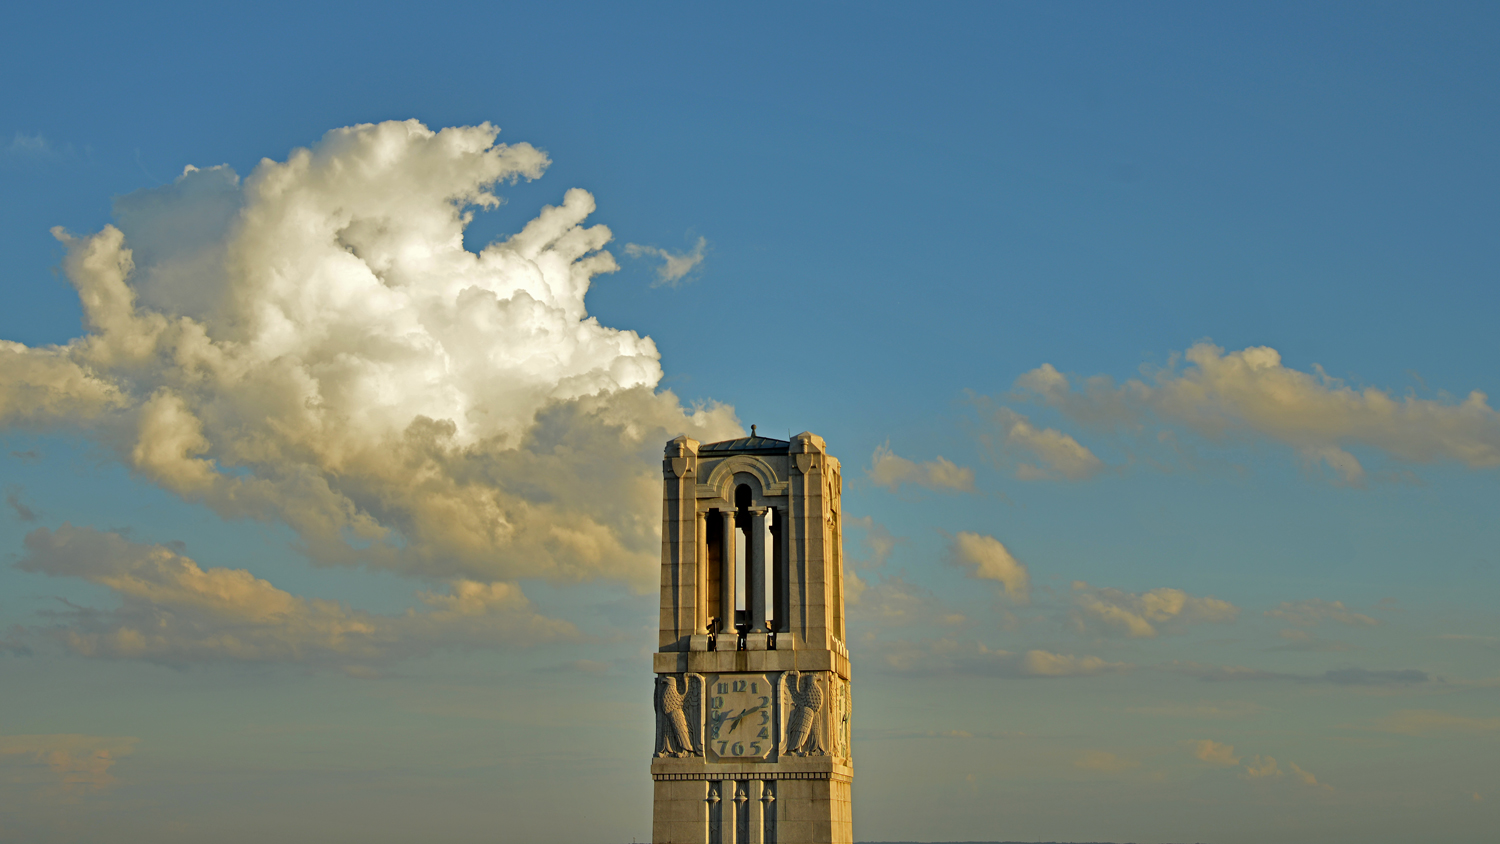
[752, 811]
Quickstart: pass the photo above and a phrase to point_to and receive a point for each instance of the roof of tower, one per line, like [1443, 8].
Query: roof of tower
[746, 445]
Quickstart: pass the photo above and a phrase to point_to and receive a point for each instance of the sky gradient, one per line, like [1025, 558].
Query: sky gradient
[1157, 342]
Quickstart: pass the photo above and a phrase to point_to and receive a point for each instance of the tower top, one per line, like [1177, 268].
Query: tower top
[752, 689]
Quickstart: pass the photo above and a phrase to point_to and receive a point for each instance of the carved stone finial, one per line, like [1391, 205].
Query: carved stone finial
[682, 446]
[752, 430]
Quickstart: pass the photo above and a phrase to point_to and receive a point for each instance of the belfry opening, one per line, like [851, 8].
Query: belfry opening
[752, 692]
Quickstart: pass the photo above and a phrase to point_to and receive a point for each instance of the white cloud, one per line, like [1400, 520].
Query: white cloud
[1250, 394]
[1143, 615]
[986, 558]
[317, 345]
[1310, 612]
[890, 470]
[675, 265]
[175, 612]
[1059, 453]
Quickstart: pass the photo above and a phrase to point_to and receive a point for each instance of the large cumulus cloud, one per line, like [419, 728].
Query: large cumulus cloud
[317, 345]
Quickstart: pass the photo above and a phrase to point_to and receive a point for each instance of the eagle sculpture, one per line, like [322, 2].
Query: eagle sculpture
[804, 695]
[678, 719]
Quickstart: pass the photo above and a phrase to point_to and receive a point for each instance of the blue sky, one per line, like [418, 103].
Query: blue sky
[1020, 265]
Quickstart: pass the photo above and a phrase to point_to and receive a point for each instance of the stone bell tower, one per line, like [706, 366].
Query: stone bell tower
[752, 676]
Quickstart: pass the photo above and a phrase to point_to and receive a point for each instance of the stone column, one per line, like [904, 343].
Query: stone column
[755, 574]
[700, 614]
[726, 575]
[755, 808]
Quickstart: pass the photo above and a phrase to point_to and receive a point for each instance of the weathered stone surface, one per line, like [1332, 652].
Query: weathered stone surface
[752, 699]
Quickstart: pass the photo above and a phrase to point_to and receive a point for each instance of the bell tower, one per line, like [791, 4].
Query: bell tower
[752, 676]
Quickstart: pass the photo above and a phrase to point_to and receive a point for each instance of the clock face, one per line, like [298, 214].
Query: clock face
[739, 717]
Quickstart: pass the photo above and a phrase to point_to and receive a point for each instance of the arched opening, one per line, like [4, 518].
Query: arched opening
[744, 578]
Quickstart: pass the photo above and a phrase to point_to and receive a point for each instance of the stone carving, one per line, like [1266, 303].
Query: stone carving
[804, 694]
[841, 710]
[679, 715]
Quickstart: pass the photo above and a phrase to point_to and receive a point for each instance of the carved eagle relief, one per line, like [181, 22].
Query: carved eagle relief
[679, 715]
[803, 698]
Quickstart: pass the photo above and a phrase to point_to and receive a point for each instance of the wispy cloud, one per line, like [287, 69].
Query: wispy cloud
[1143, 615]
[17, 506]
[892, 471]
[1334, 676]
[676, 266]
[70, 763]
[1058, 453]
[1215, 753]
[175, 612]
[1311, 612]
[952, 656]
[1104, 762]
[1423, 722]
[1250, 394]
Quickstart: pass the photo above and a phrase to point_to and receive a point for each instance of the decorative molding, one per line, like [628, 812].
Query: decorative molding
[720, 776]
[722, 476]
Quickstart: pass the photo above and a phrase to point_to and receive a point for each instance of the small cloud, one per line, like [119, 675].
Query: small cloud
[889, 470]
[986, 558]
[1099, 760]
[1143, 615]
[1262, 768]
[675, 265]
[1059, 453]
[30, 455]
[1215, 753]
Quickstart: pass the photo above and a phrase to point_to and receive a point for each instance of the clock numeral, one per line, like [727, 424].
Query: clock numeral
[716, 703]
[755, 747]
[738, 749]
[723, 688]
[762, 734]
[739, 685]
[721, 747]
